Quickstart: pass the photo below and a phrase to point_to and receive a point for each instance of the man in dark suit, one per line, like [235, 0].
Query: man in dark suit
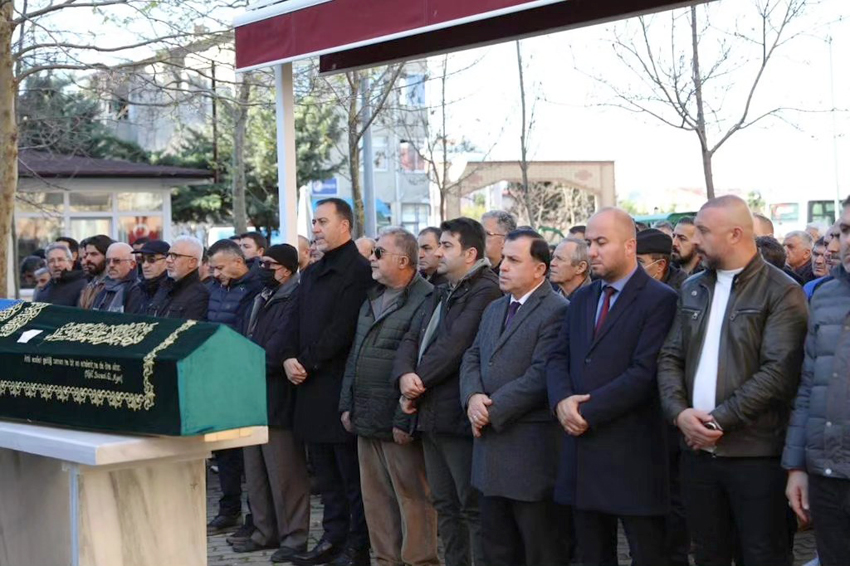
[503, 387]
[602, 386]
[318, 336]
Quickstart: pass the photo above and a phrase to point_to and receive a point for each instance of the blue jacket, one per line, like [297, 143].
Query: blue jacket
[818, 437]
[229, 305]
[619, 465]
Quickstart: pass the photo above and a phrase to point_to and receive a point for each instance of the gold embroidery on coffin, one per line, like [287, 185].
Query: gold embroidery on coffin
[100, 333]
[11, 311]
[22, 319]
[80, 395]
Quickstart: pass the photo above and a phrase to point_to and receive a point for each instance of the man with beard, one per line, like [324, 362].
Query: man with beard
[684, 252]
[94, 264]
[429, 241]
[727, 375]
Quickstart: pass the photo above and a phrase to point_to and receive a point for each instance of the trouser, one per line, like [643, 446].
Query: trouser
[830, 505]
[523, 533]
[733, 501]
[279, 490]
[396, 497]
[230, 468]
[338, 476]
[448, 463]
[678, 538]
[597, 538]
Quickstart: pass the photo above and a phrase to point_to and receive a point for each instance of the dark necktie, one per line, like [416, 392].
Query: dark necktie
[514, 306]
[606, 306]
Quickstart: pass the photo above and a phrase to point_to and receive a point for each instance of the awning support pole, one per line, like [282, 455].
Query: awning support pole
[286, 179]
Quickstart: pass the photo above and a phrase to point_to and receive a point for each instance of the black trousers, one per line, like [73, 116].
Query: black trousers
[337, 472]
[830, 504]
[523, 533]
[230, 468]
[678, 538]
[597, 538]
[736, 501]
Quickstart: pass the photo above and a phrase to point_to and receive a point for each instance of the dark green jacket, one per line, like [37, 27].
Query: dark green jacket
[368, 390]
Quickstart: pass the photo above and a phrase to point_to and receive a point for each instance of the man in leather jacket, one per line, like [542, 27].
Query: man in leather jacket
[727, 375]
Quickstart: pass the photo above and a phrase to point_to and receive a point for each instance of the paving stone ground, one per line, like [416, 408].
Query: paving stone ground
[219, 553]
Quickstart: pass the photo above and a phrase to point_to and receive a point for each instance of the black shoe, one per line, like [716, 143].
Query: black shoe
[242, 535]
[353, 557]
[251, 546]
[322, 553]
[286, 554]
[223, 523]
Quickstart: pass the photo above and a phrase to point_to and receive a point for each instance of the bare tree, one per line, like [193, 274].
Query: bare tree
[689, 73]
[39, 36]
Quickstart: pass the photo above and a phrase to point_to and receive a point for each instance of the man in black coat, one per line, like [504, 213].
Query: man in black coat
[276, 472]
[182, 294]
[318, 337]
[151, 258]
[428, 366]
[602, 386]
[65, 284]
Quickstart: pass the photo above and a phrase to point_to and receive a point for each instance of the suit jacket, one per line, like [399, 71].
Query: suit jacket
[509, 366]
[619, 465]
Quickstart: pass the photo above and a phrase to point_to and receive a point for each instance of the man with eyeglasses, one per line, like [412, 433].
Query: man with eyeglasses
[120, 293]
[654, 249]
[66, 283]
[497, 224]
[151, 259]
[182, 294]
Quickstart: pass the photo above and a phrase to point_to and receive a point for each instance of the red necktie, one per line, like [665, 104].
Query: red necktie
[606, 306]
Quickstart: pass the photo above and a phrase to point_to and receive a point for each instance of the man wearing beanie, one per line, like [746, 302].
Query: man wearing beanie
[276, 472]
[653, 253]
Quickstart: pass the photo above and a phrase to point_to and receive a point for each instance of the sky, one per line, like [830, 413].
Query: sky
[574, 121]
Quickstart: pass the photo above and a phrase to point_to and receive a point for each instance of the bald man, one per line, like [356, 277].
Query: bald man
[303, 253]
[120, 292]
[727, 374]
[601, 382]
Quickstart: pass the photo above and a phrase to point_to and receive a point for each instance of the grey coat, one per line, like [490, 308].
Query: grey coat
[517, 455]
[818, 437]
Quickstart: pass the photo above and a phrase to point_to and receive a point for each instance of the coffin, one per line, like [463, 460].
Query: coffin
[127, 373]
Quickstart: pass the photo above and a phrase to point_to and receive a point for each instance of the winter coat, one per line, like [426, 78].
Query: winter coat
[368, 391]
[230, 304]
[264, 325]
[64, 291]
[319, 335]
[439, 409]
[818, 437]
[121, 295]
[148, 289]
[187, 298]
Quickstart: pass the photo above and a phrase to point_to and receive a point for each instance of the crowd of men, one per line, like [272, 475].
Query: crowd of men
[518, 400]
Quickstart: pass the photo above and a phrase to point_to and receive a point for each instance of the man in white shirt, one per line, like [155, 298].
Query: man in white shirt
[727, 374]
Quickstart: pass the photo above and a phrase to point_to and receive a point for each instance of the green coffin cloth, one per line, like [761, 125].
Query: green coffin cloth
[127, 373]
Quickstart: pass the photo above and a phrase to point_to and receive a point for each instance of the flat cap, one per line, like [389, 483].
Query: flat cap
[654, 241]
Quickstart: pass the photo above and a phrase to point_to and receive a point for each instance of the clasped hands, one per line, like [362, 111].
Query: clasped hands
[478, 413]
[692, 424]
[411, 388]
[569, 415]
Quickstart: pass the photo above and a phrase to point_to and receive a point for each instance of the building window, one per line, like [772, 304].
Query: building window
[822, 211]
[414, 217]
[412, 91]
[410, 157]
